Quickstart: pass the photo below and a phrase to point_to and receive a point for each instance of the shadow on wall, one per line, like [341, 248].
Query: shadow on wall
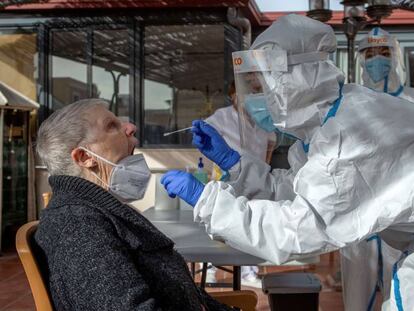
[162, 160]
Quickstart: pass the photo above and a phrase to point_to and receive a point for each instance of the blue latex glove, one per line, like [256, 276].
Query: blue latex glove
[183, 184]
[213, 146]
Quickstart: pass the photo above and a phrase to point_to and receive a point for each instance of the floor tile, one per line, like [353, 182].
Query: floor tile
[15, 294]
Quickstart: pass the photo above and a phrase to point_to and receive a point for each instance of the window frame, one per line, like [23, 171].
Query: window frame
[135, 21]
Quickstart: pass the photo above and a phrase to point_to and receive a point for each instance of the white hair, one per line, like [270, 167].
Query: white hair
[63, 131]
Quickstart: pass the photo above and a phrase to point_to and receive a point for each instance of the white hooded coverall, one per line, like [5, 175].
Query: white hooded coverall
[356, 179]
[369, 264]
[226, 121]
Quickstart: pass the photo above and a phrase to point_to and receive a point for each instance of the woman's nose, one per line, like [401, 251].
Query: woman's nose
[130, 129]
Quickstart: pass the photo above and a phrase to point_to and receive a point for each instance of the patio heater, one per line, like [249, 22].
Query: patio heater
[378, 9]
[354, 20]
[319, 10]
[17, 195]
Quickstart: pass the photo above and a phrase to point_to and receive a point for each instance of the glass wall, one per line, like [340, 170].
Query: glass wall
[341, 58]
[160, 71]
[409, 52]
[184, 78]
[15, 174]
[110, 70]
[89, 63]
[18, 69]
[69, 69]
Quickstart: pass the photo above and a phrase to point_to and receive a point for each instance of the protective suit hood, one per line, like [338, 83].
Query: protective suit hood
[303, 95]
[395, 79]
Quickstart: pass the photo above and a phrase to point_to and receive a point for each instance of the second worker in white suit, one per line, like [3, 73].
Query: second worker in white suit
[261, 143]
[352, 169]
[370, 262]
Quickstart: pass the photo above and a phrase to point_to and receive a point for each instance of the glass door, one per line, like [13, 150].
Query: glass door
[14, 174]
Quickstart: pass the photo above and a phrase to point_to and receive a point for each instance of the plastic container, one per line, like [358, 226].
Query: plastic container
[292, 291]
[162, 199]
[201, 174]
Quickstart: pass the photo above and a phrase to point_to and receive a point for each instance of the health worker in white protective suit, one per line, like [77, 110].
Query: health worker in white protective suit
[261, 144]
[382, 64]
[368, 265]
[352, 170]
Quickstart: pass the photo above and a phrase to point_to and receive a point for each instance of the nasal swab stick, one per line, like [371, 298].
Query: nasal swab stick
[182, 130]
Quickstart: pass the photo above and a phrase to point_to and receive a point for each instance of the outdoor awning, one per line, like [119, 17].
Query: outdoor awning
[12, 99]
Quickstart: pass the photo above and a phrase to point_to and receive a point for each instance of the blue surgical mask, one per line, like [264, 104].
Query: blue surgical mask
[257, 109]
[378, 67]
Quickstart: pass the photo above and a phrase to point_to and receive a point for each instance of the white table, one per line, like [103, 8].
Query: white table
[194, 244]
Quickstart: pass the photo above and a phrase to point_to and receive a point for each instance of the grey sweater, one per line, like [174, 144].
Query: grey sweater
[103, 255]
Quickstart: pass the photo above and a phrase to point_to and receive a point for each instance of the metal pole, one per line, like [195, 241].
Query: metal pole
[351, 59]
[236, 277]
[351, 27]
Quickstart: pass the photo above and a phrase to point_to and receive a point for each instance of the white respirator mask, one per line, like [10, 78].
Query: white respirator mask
[129, 178]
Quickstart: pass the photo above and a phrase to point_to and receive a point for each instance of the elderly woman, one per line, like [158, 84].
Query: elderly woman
[102, 254]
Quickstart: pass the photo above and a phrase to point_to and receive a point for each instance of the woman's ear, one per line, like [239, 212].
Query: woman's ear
[82, 158]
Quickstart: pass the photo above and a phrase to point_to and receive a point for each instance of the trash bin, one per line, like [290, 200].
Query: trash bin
[292, 291]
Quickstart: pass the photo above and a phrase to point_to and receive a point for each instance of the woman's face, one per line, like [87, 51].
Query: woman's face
[114, 139]
[253, 81]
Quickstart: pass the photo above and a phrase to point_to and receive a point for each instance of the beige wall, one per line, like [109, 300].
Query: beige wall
[18, 62]
[162, 160]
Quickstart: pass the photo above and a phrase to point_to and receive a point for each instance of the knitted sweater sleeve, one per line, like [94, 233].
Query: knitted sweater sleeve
[87, 247]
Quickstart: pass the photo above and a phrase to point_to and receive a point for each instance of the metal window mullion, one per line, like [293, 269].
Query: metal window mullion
[44, 74]
[89, 61]
[131, 86]
[138, 77]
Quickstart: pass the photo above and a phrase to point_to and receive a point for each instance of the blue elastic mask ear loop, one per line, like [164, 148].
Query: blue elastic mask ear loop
[305, 147]
[397, 92]
[386, 84]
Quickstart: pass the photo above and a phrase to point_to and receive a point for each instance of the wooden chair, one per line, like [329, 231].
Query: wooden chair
[245, 300]
[40, 293]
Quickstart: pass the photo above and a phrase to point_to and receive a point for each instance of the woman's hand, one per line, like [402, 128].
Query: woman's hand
[183, 185]
[213, 146]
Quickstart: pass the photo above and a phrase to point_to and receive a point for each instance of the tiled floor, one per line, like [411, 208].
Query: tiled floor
[15, 293]
[14, 289]
[329, 298]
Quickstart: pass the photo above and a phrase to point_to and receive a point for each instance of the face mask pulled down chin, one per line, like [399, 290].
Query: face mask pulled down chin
[129, 178]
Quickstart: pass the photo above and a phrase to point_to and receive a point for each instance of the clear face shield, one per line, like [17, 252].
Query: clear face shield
[256, 74]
